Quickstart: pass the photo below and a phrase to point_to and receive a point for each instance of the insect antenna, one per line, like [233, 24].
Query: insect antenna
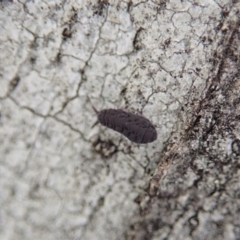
[94, 124]
[95, 110]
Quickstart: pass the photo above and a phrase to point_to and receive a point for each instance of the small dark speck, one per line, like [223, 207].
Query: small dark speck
[66, 33]
[101, 202]
[32, 60]
[210, 40]
[236, 146]
[58, 57]
[129, 5]
[14, 82]
[204, 39]
[123, 91]
[225, 13]
[167, 42]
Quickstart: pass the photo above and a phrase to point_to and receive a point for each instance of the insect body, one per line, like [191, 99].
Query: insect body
[136, 128]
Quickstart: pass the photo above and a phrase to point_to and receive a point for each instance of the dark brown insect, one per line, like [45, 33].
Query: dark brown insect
[136, 128]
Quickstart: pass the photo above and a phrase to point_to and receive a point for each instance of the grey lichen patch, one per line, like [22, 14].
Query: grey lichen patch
[16, 141]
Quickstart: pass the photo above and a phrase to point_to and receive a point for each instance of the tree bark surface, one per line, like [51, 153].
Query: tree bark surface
[175, 62]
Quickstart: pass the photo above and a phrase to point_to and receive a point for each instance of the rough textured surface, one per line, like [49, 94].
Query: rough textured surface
[177, 62]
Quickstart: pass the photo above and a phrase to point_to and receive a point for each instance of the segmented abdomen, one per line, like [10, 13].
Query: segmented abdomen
[136, 128]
